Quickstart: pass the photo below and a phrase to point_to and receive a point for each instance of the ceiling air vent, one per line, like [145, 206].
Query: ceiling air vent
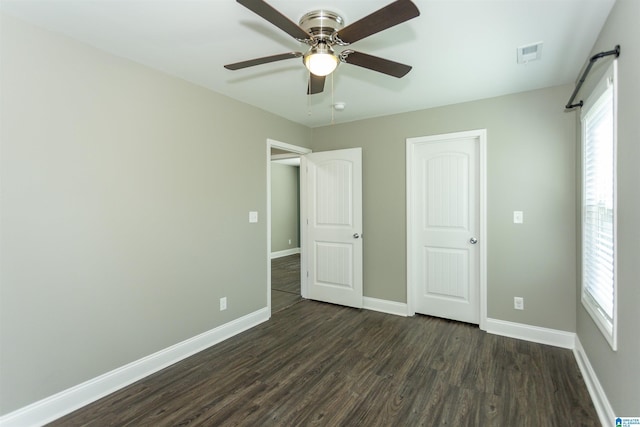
[530, 52]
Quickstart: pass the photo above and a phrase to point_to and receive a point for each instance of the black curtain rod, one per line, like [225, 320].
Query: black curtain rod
[592, 61]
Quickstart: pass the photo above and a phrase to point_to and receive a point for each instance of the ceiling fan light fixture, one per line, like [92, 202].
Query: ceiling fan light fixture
[323, 29]
[321, 60]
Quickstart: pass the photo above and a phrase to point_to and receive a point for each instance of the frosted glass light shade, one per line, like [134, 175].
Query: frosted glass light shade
[320, 60]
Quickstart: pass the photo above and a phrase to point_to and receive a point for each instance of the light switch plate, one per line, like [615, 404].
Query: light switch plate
[518, 217]
[253, 216]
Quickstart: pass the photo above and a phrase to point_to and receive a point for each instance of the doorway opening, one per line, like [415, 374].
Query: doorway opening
[285, 234]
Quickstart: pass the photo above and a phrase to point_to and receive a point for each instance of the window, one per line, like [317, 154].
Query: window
[599, 205]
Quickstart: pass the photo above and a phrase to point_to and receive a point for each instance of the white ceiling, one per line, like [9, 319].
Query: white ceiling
[460, 50]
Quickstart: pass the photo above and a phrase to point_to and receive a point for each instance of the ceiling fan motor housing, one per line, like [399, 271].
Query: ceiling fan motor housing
[321, 25]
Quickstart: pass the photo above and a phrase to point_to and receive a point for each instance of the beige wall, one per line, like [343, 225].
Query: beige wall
[285, 202]
[125, 200]
[530, 167]
[619, 371]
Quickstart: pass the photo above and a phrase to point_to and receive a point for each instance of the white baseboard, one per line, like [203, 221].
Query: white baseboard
[537, 334]
[286, 252]
[385, 306]
[60, 404]
[599, 398]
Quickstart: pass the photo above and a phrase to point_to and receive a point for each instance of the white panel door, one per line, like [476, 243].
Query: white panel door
[444, 228]
[334, 226]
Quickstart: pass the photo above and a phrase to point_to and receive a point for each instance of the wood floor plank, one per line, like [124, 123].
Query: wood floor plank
[285, 274]
[321, 364]
[285, 282]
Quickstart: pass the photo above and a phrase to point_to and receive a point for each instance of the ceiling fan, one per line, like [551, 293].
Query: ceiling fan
[322, 30]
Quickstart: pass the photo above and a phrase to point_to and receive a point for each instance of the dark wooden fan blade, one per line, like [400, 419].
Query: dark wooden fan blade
[316, 84]
[275, 17]
[265, 60]
[387, 17]
[375, 63]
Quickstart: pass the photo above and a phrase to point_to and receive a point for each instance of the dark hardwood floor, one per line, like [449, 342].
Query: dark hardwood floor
[285, 282]
[326, 365]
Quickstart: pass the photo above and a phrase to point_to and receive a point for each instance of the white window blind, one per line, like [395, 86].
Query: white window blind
[599, 206]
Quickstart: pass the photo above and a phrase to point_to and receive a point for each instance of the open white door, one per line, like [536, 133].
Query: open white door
[332, 214]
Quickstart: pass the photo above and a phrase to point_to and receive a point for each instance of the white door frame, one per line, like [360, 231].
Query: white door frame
[272, 143]
[481, 136]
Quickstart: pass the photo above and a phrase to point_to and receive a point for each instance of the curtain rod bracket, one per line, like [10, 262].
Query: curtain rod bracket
[592, 60]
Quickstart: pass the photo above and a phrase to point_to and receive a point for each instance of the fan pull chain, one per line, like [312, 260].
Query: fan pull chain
[309, 96]
[332, 102]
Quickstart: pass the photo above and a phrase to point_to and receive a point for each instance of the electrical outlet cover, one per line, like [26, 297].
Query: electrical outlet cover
[518, 303]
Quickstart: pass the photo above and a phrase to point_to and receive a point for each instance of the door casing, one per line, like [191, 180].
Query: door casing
[272, 143]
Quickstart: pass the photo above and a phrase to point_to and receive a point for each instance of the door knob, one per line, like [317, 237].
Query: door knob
[356, 236]
[473, 240]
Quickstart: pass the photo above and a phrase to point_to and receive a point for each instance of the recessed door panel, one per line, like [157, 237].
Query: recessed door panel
[334, 263]
[445, 195]
[334, 184]
[446, 273]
